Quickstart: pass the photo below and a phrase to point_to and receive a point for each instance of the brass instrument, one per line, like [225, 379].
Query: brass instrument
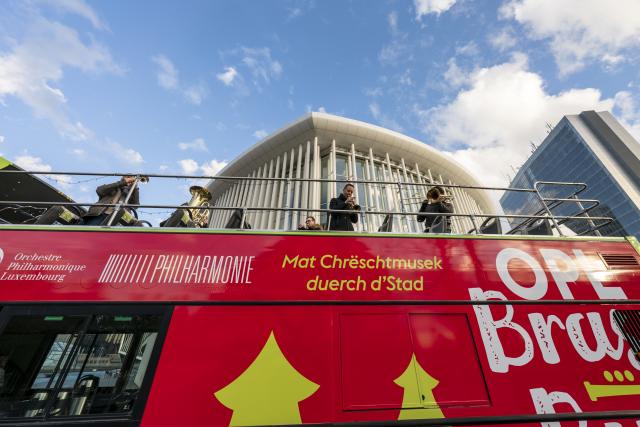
[200, 197]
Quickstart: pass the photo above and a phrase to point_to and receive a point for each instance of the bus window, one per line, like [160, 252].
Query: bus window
[57, 365]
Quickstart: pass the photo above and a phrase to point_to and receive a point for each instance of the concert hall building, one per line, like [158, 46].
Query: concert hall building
[322, 146]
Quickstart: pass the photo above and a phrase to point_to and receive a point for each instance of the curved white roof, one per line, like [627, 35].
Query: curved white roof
[364, 136]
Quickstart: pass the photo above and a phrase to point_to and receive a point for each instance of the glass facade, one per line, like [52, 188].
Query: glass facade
[568, 158]
[338, 164]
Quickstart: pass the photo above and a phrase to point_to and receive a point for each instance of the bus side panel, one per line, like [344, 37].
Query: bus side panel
[255, 365]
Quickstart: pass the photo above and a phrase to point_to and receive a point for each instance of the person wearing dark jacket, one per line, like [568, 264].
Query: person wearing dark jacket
[111, 194]
[97, 215]
[436, 203]
[310, 224]
[343, 221]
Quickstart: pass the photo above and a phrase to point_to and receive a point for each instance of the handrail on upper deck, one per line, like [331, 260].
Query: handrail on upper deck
[544, 214]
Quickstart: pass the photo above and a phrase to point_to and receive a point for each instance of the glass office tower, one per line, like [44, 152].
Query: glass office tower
[591, 148]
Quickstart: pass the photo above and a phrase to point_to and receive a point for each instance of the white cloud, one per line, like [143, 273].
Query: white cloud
[392, 19]
[489, 125]
[470, 49]
[127, 155]
[259, 134]
[580, 31]
[168, 78]
[260, 63]
[197, 144]
[32, 163]
[503, 40]
[210, 168]
[426, 7]
[31, 68]
[213, 167]
[299, 8]
[35, 164]
[167, 73]
[454, 74]
[1, 139]
[373, 92]
[383, 119]
[79, 152]
[628, 112]
[195, 94]
[189, 166]
[78, 7]
[227, 76]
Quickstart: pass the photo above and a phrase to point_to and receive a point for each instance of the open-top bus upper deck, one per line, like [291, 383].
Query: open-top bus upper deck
[157, 326]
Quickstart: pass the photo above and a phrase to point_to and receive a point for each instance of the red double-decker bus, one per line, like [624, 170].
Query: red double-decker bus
[200, 327]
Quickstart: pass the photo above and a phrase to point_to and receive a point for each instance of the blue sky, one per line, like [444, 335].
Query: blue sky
[183, 87]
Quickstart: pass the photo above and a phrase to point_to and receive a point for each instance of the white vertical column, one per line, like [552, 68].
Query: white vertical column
[244, 200]
[406, 192]
[333, 175]
[317, 169]
[295, 215]
[266, 202]
[225, 203]
[235, 195]
[304, 203]
[281, 191]
[274, 194]
[361, 225]
[289, 189]
[261, 196]
[255, 195]
[377, 202]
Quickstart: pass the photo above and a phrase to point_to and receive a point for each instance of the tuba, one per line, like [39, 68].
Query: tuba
[200, 197]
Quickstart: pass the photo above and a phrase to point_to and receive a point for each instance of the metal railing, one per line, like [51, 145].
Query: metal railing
[477, 219]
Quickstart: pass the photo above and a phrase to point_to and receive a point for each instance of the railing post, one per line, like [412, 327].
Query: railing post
[546, 208]
[585, 213]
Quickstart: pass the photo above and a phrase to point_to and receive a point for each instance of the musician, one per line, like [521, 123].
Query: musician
[113, 193]
[98, 215]
[190, 216]
[436, 202]
[343, 221]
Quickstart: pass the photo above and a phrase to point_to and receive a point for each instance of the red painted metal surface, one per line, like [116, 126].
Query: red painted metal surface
[288, 363]
[112, 266]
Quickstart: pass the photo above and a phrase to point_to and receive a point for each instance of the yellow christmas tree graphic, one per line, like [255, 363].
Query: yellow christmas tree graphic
[418, 401]
[268, 391]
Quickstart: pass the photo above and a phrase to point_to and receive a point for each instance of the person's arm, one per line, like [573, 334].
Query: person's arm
[107, 189]
[423, 208]
[337, 204]
[445, 207]
[354, 216]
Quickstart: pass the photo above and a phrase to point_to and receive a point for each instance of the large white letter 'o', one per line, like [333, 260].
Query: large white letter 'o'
[539, 288]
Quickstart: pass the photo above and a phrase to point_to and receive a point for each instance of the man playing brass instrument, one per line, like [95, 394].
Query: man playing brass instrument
[191, 216]
[109, 194]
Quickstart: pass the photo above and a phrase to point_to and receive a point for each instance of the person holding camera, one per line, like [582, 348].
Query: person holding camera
[436, 203]
[343, 221]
